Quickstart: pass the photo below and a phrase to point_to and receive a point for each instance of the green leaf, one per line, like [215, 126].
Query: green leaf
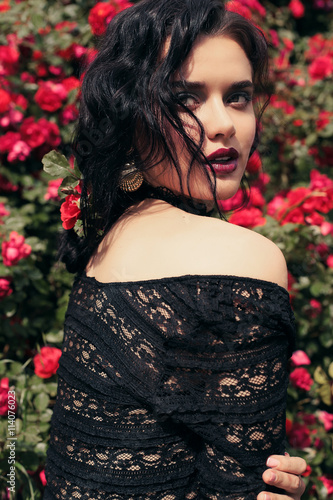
[42, 401]
[319, 458]
[330, 370]
[57, 165]
[320, 376]
[325, 392]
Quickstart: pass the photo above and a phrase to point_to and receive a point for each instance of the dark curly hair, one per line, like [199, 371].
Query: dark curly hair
[127, 91]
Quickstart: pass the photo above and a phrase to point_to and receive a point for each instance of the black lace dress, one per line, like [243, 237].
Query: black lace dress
[170, 389]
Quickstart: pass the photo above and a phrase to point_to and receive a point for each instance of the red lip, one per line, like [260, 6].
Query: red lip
[222, 153]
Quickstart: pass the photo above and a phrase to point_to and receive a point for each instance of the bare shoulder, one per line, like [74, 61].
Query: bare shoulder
[163, 241]
[263, 257]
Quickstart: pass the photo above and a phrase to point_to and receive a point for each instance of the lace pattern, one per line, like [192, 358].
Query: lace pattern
[170, 389]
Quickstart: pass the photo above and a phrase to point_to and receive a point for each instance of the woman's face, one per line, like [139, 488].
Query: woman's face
[219, 91]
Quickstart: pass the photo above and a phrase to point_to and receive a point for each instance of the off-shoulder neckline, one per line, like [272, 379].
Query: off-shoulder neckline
[185, 277]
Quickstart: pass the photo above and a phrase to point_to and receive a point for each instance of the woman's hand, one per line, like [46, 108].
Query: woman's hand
[284, 473]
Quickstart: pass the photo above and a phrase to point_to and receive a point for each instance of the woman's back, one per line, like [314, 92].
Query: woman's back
[170, 388]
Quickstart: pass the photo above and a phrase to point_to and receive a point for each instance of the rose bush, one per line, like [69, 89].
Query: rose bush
[42, 47]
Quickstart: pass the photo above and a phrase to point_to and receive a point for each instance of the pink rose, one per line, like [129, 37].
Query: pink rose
[316, 308]
[3, 211]
[300, 358]
[47, 362]
[20, 151]
[42, 477]
[52, 190]
[297, 8]
[327, 419]
[4, 388]
[15, 249]
[301, 379]
[326, 228]
[328, 483]
[5, 289]
[321, 67]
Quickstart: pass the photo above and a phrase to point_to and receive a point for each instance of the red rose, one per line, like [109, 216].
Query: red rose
[100, 16]
[4, 6]
[256, 198]
[50, 96]
[71, 83]
[289, 426]
[233, 202]
[297, 8]
[323, 120]
[301, 379]
[329, 261]
[239, 8]
[69, 114]
[5, 289]
[8, 58]
[65, 26]
[15, 249]
[47, 361]
[51, 132]
[4, 388]
[321, 67]
[31, 133]
[8, 140]
[319, 181]
[42, 133]
[20, 101]
[248, 217]
[5, 101]
[308, 471]
[70, 211]
[278, 103]
[254, 164]
[299, 436]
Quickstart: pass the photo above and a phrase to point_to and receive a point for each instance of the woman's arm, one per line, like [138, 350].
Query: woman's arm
[284, 473]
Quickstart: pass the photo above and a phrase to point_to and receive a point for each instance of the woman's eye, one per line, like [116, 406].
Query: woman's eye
[240, 100]
[189, 100]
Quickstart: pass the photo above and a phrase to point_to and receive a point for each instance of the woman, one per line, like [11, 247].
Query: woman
[172, 382]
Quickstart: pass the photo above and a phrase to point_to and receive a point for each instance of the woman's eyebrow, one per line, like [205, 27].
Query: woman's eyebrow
[184, 84]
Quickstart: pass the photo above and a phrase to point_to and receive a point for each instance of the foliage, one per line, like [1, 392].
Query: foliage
[42, 46]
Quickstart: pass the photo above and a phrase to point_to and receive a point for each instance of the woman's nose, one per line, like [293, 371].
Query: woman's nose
[218, 120]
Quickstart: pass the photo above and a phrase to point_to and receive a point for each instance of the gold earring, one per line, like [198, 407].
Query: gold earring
[131, 179]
